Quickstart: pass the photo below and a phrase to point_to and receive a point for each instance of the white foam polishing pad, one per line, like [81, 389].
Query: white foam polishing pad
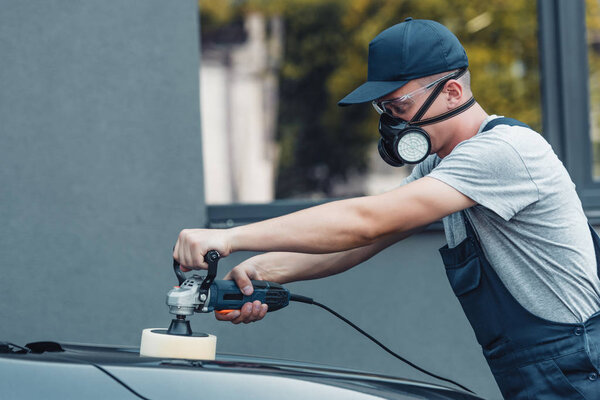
[157, 343]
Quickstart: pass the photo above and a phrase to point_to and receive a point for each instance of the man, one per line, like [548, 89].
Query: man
[520, 256]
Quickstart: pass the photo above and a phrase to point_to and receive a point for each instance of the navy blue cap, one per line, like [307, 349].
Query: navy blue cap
[411, 49]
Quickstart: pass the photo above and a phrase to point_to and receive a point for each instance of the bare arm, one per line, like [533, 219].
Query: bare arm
[332, 227]
[352, 223]
[285, 267]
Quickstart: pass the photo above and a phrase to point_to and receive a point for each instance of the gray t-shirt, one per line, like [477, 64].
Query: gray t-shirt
[528, 219]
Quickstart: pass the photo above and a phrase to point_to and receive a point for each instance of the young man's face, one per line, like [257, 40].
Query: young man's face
[406, 101]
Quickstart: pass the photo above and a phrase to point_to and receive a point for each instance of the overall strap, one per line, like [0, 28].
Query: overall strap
[596, 241]
[514, 122]
[503, 121]
[493, 123]
[470, 232]
[468, 227]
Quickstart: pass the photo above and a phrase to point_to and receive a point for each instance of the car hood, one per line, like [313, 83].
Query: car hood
[53, 370]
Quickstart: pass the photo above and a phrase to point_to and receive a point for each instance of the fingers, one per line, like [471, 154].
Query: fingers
[189, 252]
[176, 252]
[250, 312]
[227, 317]
[177, 258]
[242, 279]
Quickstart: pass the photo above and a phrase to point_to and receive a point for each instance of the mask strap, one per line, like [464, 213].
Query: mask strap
[446, 115]
[433, 96]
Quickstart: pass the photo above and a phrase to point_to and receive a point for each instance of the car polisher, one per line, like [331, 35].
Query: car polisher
[203, 295]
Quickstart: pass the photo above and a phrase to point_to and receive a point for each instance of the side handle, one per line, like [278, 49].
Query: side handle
[211, 258]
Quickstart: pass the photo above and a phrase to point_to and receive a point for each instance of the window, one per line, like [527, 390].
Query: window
[272, 73]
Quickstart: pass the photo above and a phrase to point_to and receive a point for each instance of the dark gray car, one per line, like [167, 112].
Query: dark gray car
[50, 370]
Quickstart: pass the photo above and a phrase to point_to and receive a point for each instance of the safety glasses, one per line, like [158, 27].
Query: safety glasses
[402, 104]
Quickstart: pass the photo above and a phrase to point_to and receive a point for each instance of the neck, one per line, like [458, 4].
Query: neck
[462, 127]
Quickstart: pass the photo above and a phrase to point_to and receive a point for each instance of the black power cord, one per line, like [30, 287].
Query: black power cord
[308, 300]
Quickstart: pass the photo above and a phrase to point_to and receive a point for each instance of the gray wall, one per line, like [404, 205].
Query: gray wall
[101, 168]
[101, 163]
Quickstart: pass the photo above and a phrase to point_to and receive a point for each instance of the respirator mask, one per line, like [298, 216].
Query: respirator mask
[405, 142]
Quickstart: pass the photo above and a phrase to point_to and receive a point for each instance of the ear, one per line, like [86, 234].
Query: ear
[453, 92]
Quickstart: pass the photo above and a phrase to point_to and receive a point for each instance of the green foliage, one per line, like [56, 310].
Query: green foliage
[326, 49]
[593, 35]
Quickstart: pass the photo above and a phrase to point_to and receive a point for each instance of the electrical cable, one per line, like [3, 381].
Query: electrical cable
[120, 382]
[308, 300]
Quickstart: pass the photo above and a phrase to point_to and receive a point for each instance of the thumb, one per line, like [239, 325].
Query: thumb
[242, 279]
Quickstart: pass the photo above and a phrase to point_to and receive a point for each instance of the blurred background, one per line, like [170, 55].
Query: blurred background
[123, 122]
[273, 71]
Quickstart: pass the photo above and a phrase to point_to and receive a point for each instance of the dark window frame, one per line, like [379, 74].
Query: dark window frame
[562, 45]
[565, 94]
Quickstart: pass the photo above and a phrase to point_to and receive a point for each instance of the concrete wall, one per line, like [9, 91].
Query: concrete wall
[101, 167]
[101, 163]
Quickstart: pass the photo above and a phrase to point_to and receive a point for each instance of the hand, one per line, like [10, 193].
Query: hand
[250, 312]
[193, 244]
[242, 274]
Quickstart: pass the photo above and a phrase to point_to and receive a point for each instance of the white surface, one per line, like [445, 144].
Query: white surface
[173, 346]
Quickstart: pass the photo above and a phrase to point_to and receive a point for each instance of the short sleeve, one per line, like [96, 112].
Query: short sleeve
[422, 169]
[491, 172]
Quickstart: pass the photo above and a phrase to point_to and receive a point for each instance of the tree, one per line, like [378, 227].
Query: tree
[326, 49]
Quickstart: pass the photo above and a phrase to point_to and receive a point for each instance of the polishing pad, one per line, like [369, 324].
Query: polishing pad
[157, 343]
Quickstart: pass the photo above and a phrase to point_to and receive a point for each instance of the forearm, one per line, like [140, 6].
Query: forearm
[285, 267]
[327, 228]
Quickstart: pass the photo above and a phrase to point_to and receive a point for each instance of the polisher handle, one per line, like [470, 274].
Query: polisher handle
[226, 296]
[211, 258]
[178, 272]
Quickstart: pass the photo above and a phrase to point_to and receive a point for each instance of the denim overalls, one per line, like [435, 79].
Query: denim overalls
[530, 357]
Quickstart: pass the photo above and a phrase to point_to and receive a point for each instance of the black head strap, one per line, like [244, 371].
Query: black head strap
[446, 115]
[429, 101]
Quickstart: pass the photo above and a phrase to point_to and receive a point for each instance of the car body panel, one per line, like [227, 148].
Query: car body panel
[95, 370]
[39, 378]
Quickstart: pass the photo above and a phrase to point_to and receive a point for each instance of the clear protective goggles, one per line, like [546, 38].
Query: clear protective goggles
[402, 104]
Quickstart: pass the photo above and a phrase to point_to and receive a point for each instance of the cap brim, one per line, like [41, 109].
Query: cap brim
[370, 91]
